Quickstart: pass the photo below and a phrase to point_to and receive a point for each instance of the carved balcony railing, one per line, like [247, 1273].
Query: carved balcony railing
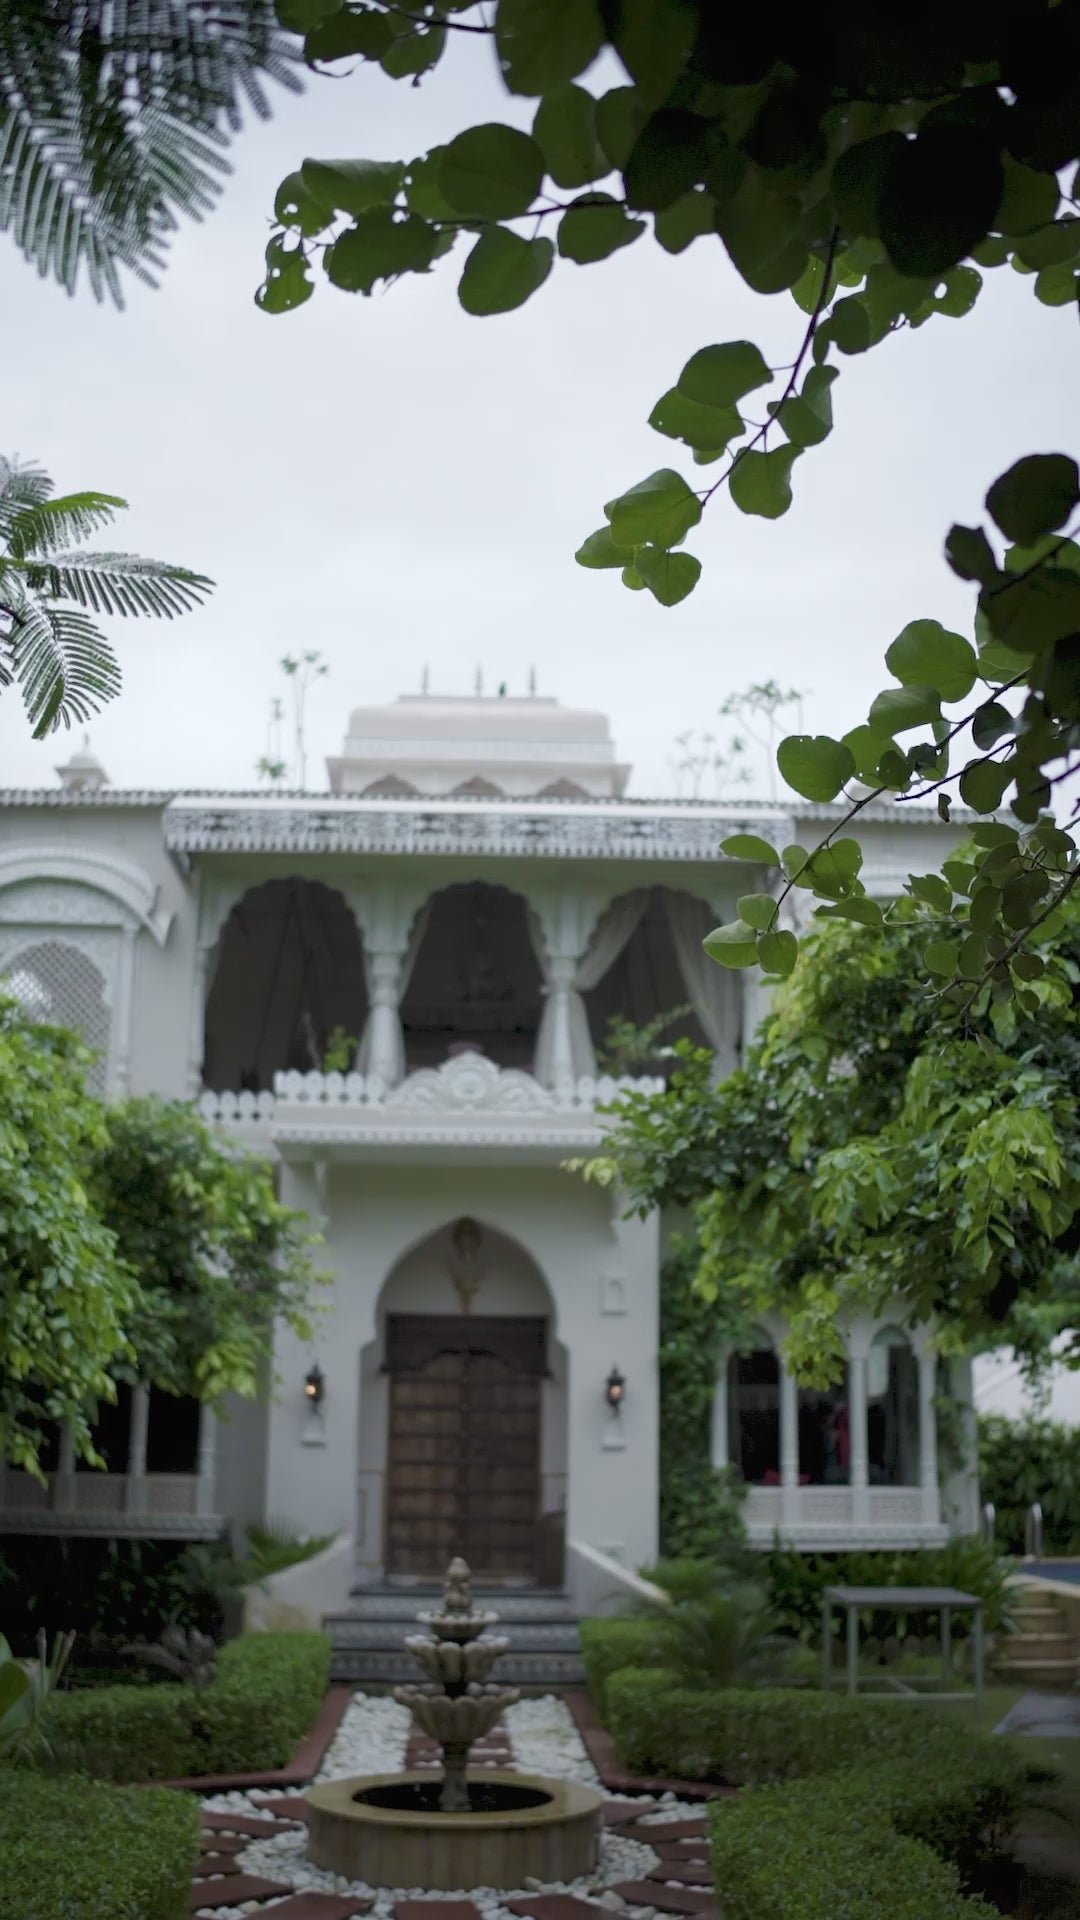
[150, 1506]
[468, 1096]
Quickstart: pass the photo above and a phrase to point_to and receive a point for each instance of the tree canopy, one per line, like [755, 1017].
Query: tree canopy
[872, 163]
[132, 1247]
[867, 1152]
[49, 645]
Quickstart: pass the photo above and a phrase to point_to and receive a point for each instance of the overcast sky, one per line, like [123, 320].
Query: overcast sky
[397, 484]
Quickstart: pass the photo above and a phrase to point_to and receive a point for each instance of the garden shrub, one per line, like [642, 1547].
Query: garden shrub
[265, 1695]
[80, 1850]
[607, 1646]
[797, 1580]
[899, 1838]
[1025, 1460]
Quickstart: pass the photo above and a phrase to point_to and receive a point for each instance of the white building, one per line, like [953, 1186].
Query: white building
[459, 918]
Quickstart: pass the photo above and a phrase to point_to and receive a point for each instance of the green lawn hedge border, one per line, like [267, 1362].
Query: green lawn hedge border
[265, 1695]
[80, 1850]
[608, 1646]
[861, 1808]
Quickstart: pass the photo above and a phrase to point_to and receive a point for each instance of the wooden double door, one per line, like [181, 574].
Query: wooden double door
[463, 1456]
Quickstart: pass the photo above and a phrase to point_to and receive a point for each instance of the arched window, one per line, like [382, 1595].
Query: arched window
[289, 984]
[57, 983]
[754, 1413]
[892, 1410]
[476, 982]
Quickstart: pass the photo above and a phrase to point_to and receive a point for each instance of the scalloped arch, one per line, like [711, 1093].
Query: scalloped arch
[108, 873]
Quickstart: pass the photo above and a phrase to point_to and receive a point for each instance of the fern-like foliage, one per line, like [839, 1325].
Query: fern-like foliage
[113, 119]
[64, 666]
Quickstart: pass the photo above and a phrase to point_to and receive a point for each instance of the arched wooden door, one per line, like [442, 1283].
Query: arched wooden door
[463, 1455]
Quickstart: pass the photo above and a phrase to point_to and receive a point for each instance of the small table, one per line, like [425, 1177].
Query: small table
[941, 1600]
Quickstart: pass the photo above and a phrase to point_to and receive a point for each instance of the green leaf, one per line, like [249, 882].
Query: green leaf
[299, 16]
[620, 116]
[343, 34]
[380, 247]
[983, 784]
[971, 958]
[926, 654]
[749, 846]
[422, 194]
[544, 43]
[938, 195]
[970, 554]
[868, 745]
[984, 909]
[758, 910]
[794, 859]
[491, 172]
[1030, 198]
[832, 870]
[353, 186]
[654, 40]
[595, 226]
[778, 952]
[668, 159]
[1035, 496]
[659, 511]
[814, 765]
[931, 889]
[962, 288]
[901, 708]
[668, 576]
[719, 376]
[288, 283]
[599, 550]
[296, 206]
[761, 482]
[941, 956]
[734, 945]
[414, 52]
[866, 913]
[1031, 613]
[849, 325]
[502, 270]
[565, 129]
[1058, 286]
[990, 723]
[806, 418]
[688, 218]
[707, 427]
[631, 578]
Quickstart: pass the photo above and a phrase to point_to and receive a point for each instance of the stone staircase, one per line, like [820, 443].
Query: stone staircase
[541, 1625]
[1041, 1651]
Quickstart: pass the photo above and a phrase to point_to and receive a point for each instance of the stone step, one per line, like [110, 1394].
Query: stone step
[1036, 1610]
[1031, 1646]
[385, 1667]
[1040, 1672]
[404, 1603]
[525, 1636]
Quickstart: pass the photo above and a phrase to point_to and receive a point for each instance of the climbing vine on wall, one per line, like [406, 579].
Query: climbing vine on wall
[700, 1508]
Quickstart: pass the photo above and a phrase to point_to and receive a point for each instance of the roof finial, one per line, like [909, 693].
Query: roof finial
[425, 680]
[478, 683]
[532, 683]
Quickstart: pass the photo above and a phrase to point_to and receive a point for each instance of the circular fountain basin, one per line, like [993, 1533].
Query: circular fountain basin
[386, 1829]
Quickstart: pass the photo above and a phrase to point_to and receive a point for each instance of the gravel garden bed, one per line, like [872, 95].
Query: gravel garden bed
[374, 1738]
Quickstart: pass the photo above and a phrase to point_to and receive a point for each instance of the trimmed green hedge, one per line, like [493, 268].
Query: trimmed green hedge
[79, 1850]
[264, 1698]
[895, 1840]
[607, 1646]
[861, 1808]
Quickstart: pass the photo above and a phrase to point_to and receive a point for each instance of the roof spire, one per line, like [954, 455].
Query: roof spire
[478, 683]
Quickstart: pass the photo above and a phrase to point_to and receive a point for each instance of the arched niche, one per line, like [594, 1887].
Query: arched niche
[753, 1409]
[892, 1410]
[289, 977]
[476, 981]
[659, 970]
[463, 1414]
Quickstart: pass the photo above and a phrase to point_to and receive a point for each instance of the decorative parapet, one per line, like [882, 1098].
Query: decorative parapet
[468, 1096]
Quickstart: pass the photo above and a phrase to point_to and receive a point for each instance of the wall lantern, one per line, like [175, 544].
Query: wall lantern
[615, 1390]
[314, 1386]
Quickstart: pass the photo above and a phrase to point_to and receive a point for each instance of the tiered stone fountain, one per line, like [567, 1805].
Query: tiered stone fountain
[481, 1828]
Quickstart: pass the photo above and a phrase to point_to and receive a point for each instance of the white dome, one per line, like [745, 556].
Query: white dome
[481, 746]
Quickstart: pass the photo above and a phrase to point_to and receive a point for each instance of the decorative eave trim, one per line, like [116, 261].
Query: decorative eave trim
[106, 873]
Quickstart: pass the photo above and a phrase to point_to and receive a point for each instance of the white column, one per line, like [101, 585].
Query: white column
[386, 1052]
[140, 1422]
[719, 1444]
[120, 1078]
[207, 1468]
[857, 1425]
[928, 1467]
[197, 1020]
[560, 980]
[789, 1447]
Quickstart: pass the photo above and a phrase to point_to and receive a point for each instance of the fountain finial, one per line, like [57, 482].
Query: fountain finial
[457, 1705]
[457, 1593]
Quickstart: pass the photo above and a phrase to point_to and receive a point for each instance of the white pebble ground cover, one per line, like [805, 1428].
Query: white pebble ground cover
[372, 1738]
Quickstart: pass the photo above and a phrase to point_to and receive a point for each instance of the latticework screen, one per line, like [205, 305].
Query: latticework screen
[54, 981]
